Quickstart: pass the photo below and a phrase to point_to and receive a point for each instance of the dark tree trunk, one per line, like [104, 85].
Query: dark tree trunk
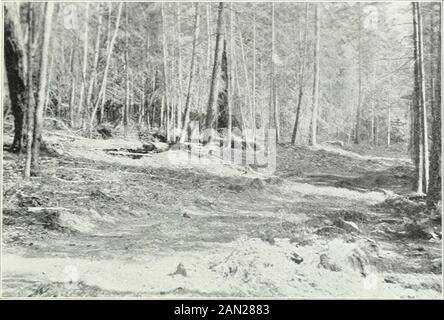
[434, 191]
[212, 100]
[14, 59]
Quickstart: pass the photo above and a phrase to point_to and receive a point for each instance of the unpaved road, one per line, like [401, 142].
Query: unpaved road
[147, 227]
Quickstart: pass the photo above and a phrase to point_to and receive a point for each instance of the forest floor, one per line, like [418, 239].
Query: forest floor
[330, 223]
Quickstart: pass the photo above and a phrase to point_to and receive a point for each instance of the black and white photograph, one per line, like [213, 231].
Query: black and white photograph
[221, 150]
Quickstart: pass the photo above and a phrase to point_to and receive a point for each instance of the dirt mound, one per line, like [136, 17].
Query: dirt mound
[272, 269]
[57, 219]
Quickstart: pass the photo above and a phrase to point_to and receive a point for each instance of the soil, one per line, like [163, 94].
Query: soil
[327, 223]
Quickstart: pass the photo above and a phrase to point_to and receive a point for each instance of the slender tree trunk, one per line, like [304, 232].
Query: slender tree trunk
[434, 194]
[246, 78]
[38, 117]
[84, 66]
[92, 81]
[179, 67]
[418, 128]
[164, 70]
[191, 76]
[30, 97]
[230, 80]
[373, 123]
[102, 93]
[358, 108]
[48, 87]
[423, 111]
[214, 84]
[254, 78]
[126, 107]
[389, 122]
[208, 7]
[301, 78]
[315, 102]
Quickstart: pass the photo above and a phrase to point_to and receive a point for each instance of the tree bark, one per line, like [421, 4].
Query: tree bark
[164, 70]
[80, 109]
[315, 102]
[418, 146]
[30, 97]
[102, 93]
[423, 111]
[38, 117]
[434, 194]
[92, 81]
[126, 107]
[179, 69]
[14, 63]
[301, 78]
[214, 84]
[358, 108]
[191, 76]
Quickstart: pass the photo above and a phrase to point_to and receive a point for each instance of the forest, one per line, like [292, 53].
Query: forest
[297, 146]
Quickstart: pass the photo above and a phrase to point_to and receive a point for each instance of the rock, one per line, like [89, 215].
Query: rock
[148, 146]
[324, 262]
[347, 225]
[257, 184]
[335, 143]
[180, 270]
[105, 131]
[296, 258]
[274, 180]
[160, 146]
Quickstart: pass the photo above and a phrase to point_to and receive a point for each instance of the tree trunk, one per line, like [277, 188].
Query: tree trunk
[80, 109]
[72, 95]
[389, 122]
[358, 108]
[246, 78]
[434, 190]
[92, 81]
[38, 117]
[418, 145]
[14, 63]
[191, 76]
[30, 97]
[301, 78]
[253, 89]
[164, 70]
[126, 107]
[315, 102]
[373, 123]
[273, 106]
[214, 84]
[102, 93]
[423, 111]
[179, 69]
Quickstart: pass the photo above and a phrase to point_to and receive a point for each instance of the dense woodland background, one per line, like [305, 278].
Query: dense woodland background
[358, 73]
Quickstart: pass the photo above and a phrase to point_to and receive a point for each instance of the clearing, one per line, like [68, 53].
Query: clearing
[330, 223]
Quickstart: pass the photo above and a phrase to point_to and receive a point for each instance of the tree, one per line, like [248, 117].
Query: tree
[38, 116]
[80, 109]
[102, 92]
[214, 84]
[435, 188]
[315, 101]
[15, 72]
[191, 76]
[302, 62]
[30, 91]
[273, 96]
[358, 108]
